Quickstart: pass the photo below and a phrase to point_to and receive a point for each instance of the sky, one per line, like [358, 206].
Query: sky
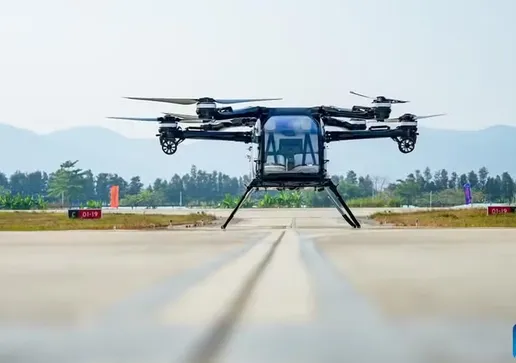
[69, 63]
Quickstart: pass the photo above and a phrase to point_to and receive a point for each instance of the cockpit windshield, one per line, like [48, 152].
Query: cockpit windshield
[291, 145]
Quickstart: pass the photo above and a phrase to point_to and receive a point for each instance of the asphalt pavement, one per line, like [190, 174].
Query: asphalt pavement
[276, 286]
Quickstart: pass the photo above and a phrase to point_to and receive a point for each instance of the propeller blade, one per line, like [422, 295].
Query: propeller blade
[378, 99]
[179, 101]
[146, 119]
[428, 116]
[244, 100]
[191, 119]
[180, 115]
[193, 101]
[361, 95]
[413, 118]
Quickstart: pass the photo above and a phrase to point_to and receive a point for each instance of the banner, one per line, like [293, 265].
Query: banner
[467, 193]
[114, 196]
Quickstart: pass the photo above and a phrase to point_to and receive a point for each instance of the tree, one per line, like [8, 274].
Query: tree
[407, 190]
[88, 186]
[420, 180]
[441, 179]
[351, 177]
[4, 181]
[102, 186]
[18, 183]
[507, 187]
[429, 184]
[378, 183]
[365, 184]
[452, 183]
[463, 179]
[482, 177]
[203, 188]
[67, 182]
[135, 186]
[473, 179]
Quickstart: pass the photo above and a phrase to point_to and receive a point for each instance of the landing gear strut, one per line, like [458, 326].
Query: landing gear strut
[249, 190]
[327, 185]
[340, 204]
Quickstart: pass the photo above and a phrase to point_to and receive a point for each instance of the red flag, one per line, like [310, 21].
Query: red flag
[114, 196]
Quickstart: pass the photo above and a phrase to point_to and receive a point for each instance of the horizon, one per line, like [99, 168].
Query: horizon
[100, 127]
[143, 156]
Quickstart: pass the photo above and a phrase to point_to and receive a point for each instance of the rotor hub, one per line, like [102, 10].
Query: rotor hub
[206, 109]
[408, 117]
[382, 111]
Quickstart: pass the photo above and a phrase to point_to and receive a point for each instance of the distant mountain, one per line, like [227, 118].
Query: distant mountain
[103, 150]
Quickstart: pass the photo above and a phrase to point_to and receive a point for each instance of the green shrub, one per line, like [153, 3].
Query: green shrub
[20, 202]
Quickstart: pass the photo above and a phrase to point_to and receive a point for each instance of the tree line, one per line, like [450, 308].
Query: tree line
[71, 185]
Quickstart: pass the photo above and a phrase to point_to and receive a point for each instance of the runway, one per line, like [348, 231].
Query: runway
[276, 286]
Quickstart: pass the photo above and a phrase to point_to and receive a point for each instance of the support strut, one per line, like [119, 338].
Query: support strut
[247, 193]
[341, 211]
[333, 189]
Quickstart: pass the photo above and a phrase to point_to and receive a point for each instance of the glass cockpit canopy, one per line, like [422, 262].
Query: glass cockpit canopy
[291, 145]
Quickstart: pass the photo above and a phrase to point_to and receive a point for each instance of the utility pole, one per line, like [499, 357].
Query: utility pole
[430, 199]
[180, 198]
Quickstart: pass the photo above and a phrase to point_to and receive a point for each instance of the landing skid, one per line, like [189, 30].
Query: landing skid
[247, 193]
[340, 204]
[328, 186]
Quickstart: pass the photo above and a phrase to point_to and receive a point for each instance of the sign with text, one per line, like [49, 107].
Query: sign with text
[85, 213]
[503, 209]
[90, 213]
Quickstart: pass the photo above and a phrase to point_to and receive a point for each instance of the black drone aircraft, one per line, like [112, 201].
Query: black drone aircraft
[288, 143]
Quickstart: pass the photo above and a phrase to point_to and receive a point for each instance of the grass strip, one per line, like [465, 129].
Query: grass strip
[451, 218]
[45, 221]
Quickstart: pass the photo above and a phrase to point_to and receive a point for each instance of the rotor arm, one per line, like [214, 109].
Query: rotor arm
[334, 122]
[220, 125]
[236, 136]
[244, 113]
[398, 133]
[330, 121]
[331, 111]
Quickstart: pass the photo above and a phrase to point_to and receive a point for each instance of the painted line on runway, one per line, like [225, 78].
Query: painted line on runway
[219, 289]
[284, 295]
[213, 343]
[347, 321]
[140, 306]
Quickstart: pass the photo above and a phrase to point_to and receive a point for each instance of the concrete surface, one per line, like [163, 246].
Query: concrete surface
[257, 212]
[276, 286]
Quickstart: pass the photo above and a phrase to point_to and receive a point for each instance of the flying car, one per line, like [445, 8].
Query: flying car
[288, 144]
